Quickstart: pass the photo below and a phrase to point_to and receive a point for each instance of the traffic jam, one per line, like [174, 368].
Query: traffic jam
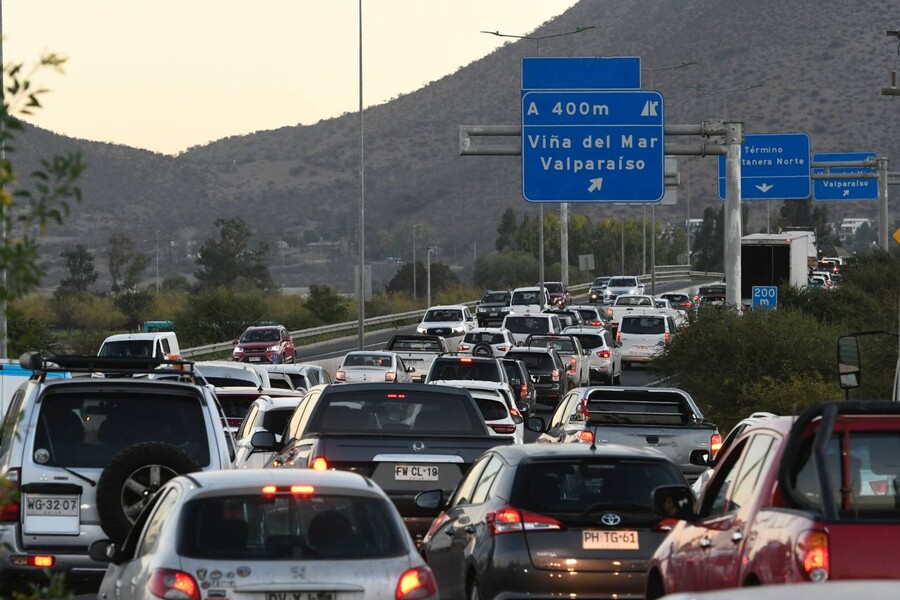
[494, 453]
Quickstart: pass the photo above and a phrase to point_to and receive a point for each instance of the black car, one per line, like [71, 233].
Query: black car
[520, 381]
[547, 372]
[493, 307]
[595, 293]
[534, 521]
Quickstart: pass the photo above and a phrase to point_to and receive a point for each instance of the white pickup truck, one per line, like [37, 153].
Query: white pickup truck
[630, 305]
[418, 351]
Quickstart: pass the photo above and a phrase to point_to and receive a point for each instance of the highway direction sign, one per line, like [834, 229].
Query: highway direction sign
[764, 297]
[597, 146]
[845, 189]
[774, 166]
[581, 73]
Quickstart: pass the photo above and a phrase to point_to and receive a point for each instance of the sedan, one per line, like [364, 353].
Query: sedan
[540, 522]
[361, 366]
[265, 533]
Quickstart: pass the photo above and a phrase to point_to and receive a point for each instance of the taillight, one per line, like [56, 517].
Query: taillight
[416, 584]
[812, 551]
[684, 304]
[668, 338]
[502, 348]
[880, 487]
[618, 336]
[9, 511]
[555, 375]
[603, 353]
[597, 323]
[572, 364]
[586, 436]
[666, 525]
[609, 313]
[340, 376]
[502, 428]
[173, 585]
[390, 376]
[319, 464]
[715, 444]
[523, 390]
[462, 347]
[510, 520]
[234, 421]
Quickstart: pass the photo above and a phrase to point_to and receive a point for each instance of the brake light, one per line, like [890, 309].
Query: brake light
[319, 464]
[572, 364]
[462, 348]
[465, 360]
[269, 489]
[597, 323]
[395, 396]
[510, 520]
[174, 585]
[390, 376]
[340, 376]
[603, 353]
[609, 312]
[41, 560]
[684, 304]
[715, 444]
[523, 390]
[586, 436]
[503, 348]
[515, 412]
[666, 525]
[668, 338]
[416, 584]
[502, 428]
[9, 511]
[618, 336]
[304, 490]
[812, 550]
[555, 375]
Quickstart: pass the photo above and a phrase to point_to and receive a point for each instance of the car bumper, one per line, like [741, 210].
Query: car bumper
[258, 358]
[77, 566]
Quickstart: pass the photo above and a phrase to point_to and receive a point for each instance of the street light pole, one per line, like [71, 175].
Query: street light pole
[361, 300]
[414, 261]
[428, 277]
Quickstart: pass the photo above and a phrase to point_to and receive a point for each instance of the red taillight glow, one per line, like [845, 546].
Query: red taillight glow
[395, 396]
[609, 313]
[597, 323]
[668, 338]
[509, 520]
[9, 512]
[340, 376]
[618, 336]
[500, 428]
[462, 348]
[269, 489]
[502, 348]
[173, 585]
[684, 304]
[523, 390]
[573, 363]
[715, 444]
[234, 421]
[880, 487]
[319, 464]
[555, 375]
[390, 376]
[465, 360]
[603, 353]
[416, 584]
[303, 489]
[813, 552]
[586, 436]
[666, 525]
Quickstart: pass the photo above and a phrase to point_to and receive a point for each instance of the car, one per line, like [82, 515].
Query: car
[529, 300]
[559, 293]
[712, 289]
[236, 401]
[156, 344]
[219, 535]
[570, 351]
[679, 300]
[567, 317]
[493, 307]
[740, 426]
[265, 414]
[449, 321]
[817, 282]
[595, 292]
[303, 376]
[622, 286]
[546, 370]
[467, 368]
[830, 283]
[863, 589]
[224, 373]
[538, 521]
[363, 365]
[495, 402]
[264, 344]
[591, 316]
[605, 359]
[642, 337]
[486, 341]
[84, 455]
[519, 381]
[523, 325]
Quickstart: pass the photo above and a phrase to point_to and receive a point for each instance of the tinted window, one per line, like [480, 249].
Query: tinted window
[757, 457]
[276, 420]
[643, 325]
[453, 369]
[622, 282]
[428, 345]
[260, 335]
[491, 410]
[289, 527]
[443, 315]
[589, 341]
[487, 338]
[525, 298]
[127, 349]
[486, 482]
[534, 361]
[236, 406]
[559, 344]
[496, 298]
[367, 360]
[89, 429]
[527, 324]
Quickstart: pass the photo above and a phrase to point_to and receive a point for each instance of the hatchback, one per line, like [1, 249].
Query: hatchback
[642, 337]
[549, 522]
[264, 533]
[265, 414]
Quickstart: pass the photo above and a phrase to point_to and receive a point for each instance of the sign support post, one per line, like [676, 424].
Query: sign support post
[734, 134]
[883, 236]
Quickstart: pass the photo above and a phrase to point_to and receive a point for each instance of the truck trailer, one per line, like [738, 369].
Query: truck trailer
[773, 259]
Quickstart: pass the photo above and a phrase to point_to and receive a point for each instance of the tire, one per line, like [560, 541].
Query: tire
[474, 592]
[145, 467]
[617, 379]
[482, 349]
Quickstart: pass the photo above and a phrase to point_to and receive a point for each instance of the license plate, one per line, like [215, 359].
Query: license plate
[493, 314]
[609, 540]
[415, 473]
[51, 506]
[254, 359]
[299, 595]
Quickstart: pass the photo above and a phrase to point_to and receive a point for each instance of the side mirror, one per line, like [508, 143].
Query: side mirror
[104, 551]
[674, 502]
[410, 369]
[849, 370]
[523, 407]
[234, 342]
[430, 500]
[536, 424]
[701, 458]
[263, 440]
[518, 419]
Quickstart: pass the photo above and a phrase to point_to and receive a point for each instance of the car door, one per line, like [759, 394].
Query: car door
[559, 420]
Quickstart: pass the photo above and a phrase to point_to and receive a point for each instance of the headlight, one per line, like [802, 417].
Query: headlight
[459, 330]
[504, 309]
[421, 330]
[275, 348]
[238, 349]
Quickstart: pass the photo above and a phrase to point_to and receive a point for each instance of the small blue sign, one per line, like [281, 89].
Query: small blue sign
[600, 146]
[764, 297]
[774, 166]
[581, 73]
[845, 189]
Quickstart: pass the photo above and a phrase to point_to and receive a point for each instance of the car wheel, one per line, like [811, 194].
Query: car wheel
[482, 349]
[617, 379]
[130, 480]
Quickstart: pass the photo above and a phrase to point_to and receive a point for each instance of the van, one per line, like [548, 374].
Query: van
[158, 344]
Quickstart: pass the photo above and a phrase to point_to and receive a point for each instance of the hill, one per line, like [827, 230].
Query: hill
[818, 71]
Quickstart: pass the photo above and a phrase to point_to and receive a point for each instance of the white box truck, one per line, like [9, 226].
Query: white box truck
[778, 259]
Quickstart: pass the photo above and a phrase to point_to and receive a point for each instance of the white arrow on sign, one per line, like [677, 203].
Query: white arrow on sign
[596, 184]
[764, 187]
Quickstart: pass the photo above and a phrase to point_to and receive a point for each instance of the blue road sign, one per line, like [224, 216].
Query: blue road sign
[845, 189]
[764, 297]
[774, 166]
[581, 73]
[599, 146]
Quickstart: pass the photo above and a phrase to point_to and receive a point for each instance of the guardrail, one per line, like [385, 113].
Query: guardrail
[663, 273]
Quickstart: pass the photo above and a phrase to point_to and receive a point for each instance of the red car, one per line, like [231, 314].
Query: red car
[264, 344]
[794, 499]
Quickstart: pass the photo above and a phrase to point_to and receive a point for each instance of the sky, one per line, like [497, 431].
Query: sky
[168, 75]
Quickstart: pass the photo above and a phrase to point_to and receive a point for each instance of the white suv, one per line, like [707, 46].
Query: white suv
[84, 455]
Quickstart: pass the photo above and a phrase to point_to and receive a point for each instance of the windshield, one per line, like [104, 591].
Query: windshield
[526, 297]
[496, 298]
[128, 349]
[553, 288]
[260, 335]
[441, 315]
[622, 282]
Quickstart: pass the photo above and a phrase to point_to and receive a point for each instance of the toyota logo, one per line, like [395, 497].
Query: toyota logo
[418, 446]
[610, 519]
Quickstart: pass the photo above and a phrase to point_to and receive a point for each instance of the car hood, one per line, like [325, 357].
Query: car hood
[621, 290]
[441, 324]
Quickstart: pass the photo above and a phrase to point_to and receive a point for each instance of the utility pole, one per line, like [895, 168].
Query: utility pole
[734, 136]
[157, 261]
[414, 261]
[428, 276]
[564, 243]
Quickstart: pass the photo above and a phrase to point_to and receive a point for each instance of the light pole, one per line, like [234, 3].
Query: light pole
[361, 300]
[428, 277]
[414, 261]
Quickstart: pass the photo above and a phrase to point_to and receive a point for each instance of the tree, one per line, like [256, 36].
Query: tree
[327, 305]
[228, 260]
[709, 242]
[81, 276]
[441, 278]
[507, 232]
[126, 264]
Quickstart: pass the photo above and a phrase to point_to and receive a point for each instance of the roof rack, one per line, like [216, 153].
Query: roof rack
[90, 364]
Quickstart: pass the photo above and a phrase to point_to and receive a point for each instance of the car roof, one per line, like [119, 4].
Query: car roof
[532, 349]
[571, 330]
[267, 402]
[488, 330]
[119, 337]
[221, 480]
[444, 306]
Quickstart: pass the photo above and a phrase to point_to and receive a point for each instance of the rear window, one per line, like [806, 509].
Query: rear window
[643, 325]
[491, 410]
[561, 345]
[637, 410]
[236, 406]
[527, 324]
[487, 338]
[288, 527]
[584, 488]
[589, 341]
[477, 370]
[379, 412]
[534, 361]
[127, 349]
[230, 382]
[633, 301]
[424, 345]
[367, 360]
[88, 429]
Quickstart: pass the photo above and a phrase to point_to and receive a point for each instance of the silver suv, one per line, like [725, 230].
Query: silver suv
[84, 455]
